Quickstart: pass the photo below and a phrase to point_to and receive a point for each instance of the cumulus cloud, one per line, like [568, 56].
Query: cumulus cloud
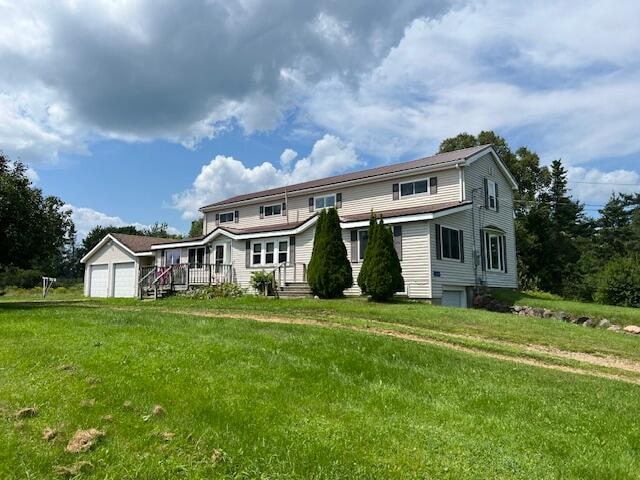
[287, 156]
[594, 187]
[225, 176]
[487, 66]
[179, 71]
[86, 218]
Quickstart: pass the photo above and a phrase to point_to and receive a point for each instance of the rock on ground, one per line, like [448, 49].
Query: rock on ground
[49, 434]
[83, 440]
[604, 323]
[634, 329]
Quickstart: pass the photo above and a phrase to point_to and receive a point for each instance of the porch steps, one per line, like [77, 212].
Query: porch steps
[295, 290]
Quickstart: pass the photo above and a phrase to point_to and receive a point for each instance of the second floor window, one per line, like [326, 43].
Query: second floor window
[491, 194]
[325, 202]
[226, 217]
[272, 210]
[414, 188]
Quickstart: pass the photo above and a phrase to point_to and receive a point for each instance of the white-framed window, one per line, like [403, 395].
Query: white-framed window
[415, 187]
[494, 243]
[196, 257]
[491, 194]
[226, 217]
[283, 251]
[172, 257]
[270, 210]
[326, 201]
[450, 243]
[266, 252]
[363, 241]
[256, 256]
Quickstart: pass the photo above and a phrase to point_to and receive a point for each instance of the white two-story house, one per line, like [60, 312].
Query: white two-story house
[451, 215]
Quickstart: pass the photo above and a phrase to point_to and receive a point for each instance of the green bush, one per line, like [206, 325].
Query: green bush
[262, 282]
[329, 272]
[214, 291]
[619, 282]
[17, 277]
[383, 274]
[366, 263]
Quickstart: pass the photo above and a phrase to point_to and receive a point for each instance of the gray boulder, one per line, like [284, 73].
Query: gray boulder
[604, 323]
[615, 328]
[590, 322]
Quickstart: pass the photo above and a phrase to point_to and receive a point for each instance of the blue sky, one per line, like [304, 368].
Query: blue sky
[140, 111]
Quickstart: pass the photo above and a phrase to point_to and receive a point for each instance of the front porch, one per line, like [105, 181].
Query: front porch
[158, 281]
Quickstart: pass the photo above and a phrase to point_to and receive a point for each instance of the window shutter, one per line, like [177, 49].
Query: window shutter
[217, 219]
[504, 255]
[292, 249]
[486, 193]
[433, 185]
[247, 253]
[311, 204]
[397, 240]
[236, 216]
[461, 246]
[497, 207]
[338, 200]
[284, 208]
[482, 250]
[261, 211]
[395, 188]
[438, 248]
[354, 246]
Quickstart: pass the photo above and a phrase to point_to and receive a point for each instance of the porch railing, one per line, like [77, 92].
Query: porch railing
[184, 275]
[285, 273]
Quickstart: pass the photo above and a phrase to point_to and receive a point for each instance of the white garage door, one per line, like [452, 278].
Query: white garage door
[454, 298]
[99, 280]
[124, 279]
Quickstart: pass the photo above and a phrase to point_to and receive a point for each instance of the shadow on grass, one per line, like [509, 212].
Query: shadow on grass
[34, 304]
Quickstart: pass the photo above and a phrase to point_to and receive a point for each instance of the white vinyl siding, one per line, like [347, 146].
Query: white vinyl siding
[475, 174]
[376, 195]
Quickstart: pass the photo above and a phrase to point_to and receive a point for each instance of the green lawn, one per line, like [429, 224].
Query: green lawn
[298, 401]
[620, 315]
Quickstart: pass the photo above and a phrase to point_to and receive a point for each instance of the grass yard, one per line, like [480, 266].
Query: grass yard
[253, 399]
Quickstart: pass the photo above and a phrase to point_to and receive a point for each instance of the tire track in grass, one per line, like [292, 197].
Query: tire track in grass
[625, 365]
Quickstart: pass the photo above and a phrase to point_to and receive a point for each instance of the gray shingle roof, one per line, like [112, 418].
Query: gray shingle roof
[433, 160]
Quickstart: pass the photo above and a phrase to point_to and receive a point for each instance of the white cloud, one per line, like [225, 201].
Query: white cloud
[594, 187]
[86, 218]
[225, 177]
[287, 156]
[487, 66]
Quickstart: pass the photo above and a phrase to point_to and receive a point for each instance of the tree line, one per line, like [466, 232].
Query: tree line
[37, 235]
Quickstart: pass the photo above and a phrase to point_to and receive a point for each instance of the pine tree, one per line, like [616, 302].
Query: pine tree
[329, 271]
[384, 273]
[366, 263]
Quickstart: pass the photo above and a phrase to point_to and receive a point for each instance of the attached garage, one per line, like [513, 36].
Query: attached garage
[112, 266]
